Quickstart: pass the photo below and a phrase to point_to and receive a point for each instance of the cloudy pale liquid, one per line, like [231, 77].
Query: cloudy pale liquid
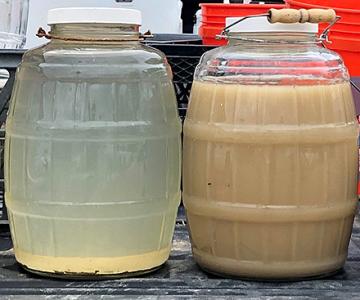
[92, 187]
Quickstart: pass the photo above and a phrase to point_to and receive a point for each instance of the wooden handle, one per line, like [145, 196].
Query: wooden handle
[289, 15]
[317, 15]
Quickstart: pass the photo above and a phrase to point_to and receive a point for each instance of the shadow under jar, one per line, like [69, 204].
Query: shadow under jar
[270, 155]
[93, 150]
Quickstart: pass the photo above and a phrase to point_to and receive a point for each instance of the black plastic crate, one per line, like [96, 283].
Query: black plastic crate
[183, 60]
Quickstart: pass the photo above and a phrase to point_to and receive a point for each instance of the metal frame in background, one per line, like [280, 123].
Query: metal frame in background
[9, 60]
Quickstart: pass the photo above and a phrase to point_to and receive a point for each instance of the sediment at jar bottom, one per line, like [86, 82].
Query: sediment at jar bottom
[262, 271]
[270, 176]
[93, 266]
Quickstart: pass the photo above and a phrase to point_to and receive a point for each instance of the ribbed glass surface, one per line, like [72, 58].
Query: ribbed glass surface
[270, 165]
[93, 159]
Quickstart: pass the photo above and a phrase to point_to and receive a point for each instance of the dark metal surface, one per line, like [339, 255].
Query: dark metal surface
[181, 277]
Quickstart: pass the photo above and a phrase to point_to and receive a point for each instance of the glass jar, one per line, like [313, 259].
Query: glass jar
[270, 155]
[93, 149]
[13, 23]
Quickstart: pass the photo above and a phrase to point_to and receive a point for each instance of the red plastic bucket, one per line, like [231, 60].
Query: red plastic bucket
[336, 4]
[342, 4]
[349, 49]
[348, 46]
[344, 30]
[346, 27]
[208, 34]
[345, 34]
[349, 10]
[344, 43]
[215, 10]
[214, 17]
[352, 61]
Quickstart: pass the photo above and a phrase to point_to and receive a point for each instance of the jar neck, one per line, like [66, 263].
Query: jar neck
[95, 33]
[282, 39]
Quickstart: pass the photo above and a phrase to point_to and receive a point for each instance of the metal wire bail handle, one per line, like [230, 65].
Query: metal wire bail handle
[324, 36]
[288, 15]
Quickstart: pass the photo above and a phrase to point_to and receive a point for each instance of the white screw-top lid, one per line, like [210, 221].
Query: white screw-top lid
[261, 24]
[94, 15]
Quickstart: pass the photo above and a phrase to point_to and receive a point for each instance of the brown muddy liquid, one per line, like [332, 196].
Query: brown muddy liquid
[270, 176]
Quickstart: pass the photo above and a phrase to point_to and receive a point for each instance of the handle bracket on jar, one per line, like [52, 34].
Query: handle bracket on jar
[324, 36]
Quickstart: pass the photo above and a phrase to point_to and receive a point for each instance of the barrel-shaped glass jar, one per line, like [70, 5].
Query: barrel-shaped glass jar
[270, 157]
[93, 151]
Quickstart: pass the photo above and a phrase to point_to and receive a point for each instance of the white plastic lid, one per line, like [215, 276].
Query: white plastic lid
[94, 15]
[261, 24]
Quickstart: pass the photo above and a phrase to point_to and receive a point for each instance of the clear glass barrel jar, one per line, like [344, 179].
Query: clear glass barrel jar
[93, 146]
[270, 155]
[13, 23]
